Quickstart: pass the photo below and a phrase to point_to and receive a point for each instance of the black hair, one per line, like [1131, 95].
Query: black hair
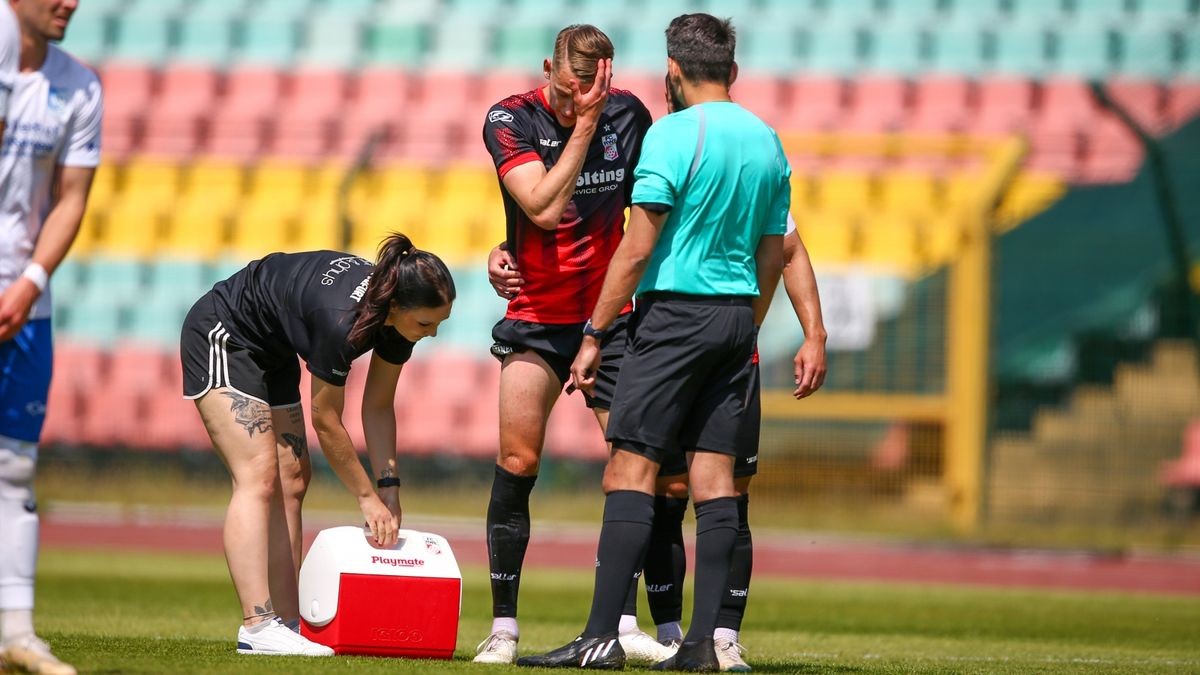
[405, 277]
[703, 47]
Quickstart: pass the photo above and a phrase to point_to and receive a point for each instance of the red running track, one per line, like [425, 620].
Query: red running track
[774, 555]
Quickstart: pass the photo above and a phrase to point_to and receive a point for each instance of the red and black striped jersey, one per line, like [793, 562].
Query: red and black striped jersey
[564, 268]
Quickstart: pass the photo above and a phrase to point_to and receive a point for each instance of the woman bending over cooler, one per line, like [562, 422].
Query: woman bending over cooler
[240, 348]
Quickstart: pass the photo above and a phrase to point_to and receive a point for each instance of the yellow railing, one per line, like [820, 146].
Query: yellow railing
[962, 408]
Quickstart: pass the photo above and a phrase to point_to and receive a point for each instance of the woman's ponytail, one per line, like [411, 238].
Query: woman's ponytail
[404, 276]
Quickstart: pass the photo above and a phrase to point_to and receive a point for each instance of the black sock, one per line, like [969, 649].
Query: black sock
[507, 537]
[716, 531]
[666, 563]
[733, 607]
[622, 548]
[631, 598]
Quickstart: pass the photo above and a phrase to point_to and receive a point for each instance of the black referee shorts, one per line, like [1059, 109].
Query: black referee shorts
[746, 462]
[687, 373]
[558, 344]
[213, 357]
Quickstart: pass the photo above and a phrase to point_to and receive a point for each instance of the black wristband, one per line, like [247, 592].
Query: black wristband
[390, 481]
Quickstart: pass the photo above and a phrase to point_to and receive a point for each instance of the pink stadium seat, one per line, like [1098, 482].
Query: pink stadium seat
[80, 366]
[878, 103]
[649, 88]
[496, 85]
[320, 94]
[114, 417]
[244, 118]
[761, 95]
[573, 433]
[1005, 105]
[382, 99]
[1183, 101]
[174, 126]
[127, 92]
[1066, 104]
[941, 103]
[174, 422]
[813, 104]
[63, 410]
[1112, 153]
[1145, 100]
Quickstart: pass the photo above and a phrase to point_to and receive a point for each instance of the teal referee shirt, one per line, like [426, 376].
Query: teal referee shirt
[724, 176]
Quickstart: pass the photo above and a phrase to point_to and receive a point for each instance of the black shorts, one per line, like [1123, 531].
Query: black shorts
[746, 462]
[213, 357]
[687, 369]
[558, 344]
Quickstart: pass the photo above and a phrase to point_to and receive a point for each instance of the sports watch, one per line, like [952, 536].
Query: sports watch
[591, 331]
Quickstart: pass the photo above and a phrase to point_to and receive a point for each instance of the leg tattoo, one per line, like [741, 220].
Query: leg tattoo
[252, 415]
[299, 444]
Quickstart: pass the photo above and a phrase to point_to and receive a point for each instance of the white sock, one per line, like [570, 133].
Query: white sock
[725, 634]
[253, 630]
[670, 631]
[14, 622]
[507, 624]
[628, 624]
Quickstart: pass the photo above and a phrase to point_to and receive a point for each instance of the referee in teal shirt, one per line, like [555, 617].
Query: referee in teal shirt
[703, 251]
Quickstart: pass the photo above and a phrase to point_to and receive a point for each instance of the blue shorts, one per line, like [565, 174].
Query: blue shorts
[25, 365]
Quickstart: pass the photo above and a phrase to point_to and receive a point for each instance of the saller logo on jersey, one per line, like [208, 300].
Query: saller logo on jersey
[500, 116]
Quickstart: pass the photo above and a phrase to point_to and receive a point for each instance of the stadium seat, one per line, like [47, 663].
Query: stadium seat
[815, 103]
[396, 41]
[941, 103]
[1082, 51]
[895, 48]
[843, 191]
[142, 37]
[205, 39]
[831, 49]
[1146, 52]
[828, 236]
[268, 40]
[1164, 12]
[908, 193]
[156, 320]
[1144, 100]
[1112, 151]
[890, 242]
[174, 127]
[1029, 193]
[1183, 100]
[957, 49]
[88, 38]
[877, 104]
[332, 39]
[240, 126]
[523, 46]
[769, 50]
[1036, 11]
[1005, 104]
[459, 43]
[1019, 50]
[1101, 11]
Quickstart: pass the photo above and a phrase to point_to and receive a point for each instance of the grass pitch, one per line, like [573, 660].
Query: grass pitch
[157, 613]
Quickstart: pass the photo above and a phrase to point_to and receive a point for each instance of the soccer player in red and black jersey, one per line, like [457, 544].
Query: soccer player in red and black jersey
[565, 154]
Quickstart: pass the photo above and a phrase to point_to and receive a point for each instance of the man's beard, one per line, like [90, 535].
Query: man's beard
[675, 94]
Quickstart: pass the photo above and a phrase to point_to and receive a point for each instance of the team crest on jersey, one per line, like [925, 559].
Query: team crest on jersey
[56, 100]
[609, 142]
[500, 116]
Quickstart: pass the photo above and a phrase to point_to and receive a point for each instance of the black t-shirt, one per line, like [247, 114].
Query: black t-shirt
[305, 304]
[564, 268]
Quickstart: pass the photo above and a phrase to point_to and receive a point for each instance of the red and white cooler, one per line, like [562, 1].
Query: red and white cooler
[399, 601]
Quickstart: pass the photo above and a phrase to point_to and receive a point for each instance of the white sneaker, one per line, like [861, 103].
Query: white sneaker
[276, 639]
[642, 648]
[499, 647]
[729, 655]
[29, 653]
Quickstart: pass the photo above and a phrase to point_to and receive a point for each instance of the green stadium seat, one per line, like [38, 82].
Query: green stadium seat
[957, 49]
[1165, 12]
[268, 40]
[1190, 66]
[176, 279]
[1085, 52]
[895, 49]
[832, 49]
[91, 320]
[461, 42]
[116, 278]
[409, 10]
[640, 47]
[282, 9]
[205, 39]
[1035, 11]
[1019, 50]
[1148, 51]
[1099, 11]
[156, 321]
[359, 8]
[89, 33]
[913, 12]
[141, 37]
[848, 11]
[69, 278]
[333, 39]
[772, 49]
[523, 46]
[227, 8]
[396, 42]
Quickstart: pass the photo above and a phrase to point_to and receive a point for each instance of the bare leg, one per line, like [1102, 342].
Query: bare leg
[241, 432]
[287, 544]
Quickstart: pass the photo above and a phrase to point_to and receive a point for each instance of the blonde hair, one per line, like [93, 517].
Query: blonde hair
[580, 46]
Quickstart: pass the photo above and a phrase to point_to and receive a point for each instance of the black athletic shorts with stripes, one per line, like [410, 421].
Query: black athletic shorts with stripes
[213, 357]
[558, 344]
[687, 371]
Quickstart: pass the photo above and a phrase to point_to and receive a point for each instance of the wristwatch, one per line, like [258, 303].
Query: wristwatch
[591, 331]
